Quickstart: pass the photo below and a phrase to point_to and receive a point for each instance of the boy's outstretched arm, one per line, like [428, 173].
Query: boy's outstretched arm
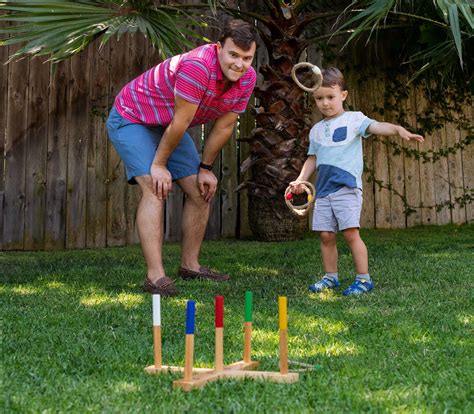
[386, 129]
[308, 169]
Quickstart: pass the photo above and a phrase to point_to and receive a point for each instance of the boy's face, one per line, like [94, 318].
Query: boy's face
[233, 60]
[329, 100]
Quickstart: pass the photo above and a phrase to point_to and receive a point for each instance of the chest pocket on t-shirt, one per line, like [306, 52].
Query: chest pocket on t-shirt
[340, 134]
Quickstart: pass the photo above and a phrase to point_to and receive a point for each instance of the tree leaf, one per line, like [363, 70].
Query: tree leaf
[455, 30]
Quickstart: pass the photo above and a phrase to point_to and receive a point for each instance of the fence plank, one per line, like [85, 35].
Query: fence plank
[3, 123]
[228, 173]
[412, 166]
[96, 199]
[246, 124]
[441, 177]
[456, 187]
[468, 166]
[382, 196]
[56, 163]
[455, 168]
[427, 193]
[78, 137]
[36, 148]
[396, 172]
[15, 154]
[116, 184]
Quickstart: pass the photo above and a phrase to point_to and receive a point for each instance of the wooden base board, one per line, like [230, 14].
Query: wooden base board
[237, 370]
[240, 365]
[169, 368]
[201, 379]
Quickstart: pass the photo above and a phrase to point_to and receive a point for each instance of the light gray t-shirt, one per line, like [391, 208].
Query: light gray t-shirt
[337, 145]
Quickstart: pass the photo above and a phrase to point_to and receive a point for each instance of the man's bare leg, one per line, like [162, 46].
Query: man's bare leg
[150, 228]
[194, 222]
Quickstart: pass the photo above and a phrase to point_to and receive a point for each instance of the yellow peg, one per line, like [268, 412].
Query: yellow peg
[282, 313]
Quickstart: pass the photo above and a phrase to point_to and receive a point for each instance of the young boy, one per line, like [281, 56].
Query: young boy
[335, 149]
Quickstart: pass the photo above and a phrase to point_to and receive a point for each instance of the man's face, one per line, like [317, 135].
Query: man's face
[233, 60]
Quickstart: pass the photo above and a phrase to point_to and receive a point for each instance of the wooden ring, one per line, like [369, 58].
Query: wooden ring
[315, 70]
[303, 209]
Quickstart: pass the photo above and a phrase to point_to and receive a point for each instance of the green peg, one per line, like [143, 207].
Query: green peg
[248, 306]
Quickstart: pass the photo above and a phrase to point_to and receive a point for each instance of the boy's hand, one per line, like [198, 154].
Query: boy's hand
[407, 135]
[296, 187]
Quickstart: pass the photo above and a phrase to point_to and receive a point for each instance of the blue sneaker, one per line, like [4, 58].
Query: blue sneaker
[358, 287]
[323, 284]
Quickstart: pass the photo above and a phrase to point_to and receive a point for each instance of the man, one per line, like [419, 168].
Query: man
[147, 127]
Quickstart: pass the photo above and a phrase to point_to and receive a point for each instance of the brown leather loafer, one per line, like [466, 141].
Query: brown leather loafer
[204, 273]
[163, 286]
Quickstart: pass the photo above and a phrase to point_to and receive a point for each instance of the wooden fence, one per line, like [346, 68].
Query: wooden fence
[62, 185]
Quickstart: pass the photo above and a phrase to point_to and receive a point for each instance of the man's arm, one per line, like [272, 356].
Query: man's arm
[387, 129]
[184, 112]
[218, 137]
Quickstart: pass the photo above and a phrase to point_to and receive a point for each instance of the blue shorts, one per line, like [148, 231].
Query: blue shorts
[338, 211]
[136, 145]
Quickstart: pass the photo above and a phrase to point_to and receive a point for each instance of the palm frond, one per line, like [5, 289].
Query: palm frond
[453, 19]
[451, 10]
[367, 19]
[60, 29]
[437, 55]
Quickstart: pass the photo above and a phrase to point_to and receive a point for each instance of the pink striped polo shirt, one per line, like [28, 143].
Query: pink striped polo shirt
[194, 76]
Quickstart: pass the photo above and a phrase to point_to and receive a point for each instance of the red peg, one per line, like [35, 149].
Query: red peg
[219, 311]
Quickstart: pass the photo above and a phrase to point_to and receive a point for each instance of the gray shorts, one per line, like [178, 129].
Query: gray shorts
[338, 211]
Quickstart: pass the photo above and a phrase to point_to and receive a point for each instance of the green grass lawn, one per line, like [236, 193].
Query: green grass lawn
[76, 329]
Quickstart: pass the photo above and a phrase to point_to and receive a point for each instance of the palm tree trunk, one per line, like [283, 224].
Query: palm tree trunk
[278, 144]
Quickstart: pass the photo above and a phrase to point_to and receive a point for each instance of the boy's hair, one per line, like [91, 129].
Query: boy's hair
[333, 76]
[243, 34]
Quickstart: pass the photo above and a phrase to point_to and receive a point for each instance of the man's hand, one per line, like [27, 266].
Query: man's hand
[207, 183]
[161, 181]
[161, 177]
[407, 135]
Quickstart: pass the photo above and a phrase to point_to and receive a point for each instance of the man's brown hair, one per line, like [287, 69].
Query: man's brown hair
[243, 34]
[333, 76]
